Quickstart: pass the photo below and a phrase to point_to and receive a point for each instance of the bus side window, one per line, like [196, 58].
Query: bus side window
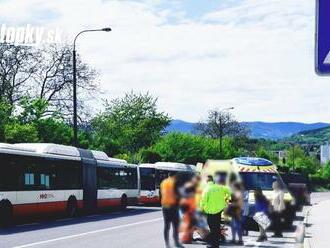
[131, 178]
[103, 178]
[160, 176]
[65, 174]
[10, 176]
[30, 175]
[29, 179]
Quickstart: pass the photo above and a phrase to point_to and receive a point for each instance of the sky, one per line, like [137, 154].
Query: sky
[195, 55]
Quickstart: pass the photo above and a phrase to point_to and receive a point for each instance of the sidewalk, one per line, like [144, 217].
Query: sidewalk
[317, 226]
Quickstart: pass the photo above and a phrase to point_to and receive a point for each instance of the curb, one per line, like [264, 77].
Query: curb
[300, 233]
[306, 241]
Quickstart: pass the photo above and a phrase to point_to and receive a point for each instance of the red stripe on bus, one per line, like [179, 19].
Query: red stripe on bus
[146, 200]
[41, 208]
[104, 203]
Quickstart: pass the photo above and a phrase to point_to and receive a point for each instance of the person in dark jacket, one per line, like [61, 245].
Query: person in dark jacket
[236, 209]
[261, 205]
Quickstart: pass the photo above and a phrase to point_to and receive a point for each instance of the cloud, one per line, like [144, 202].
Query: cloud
[255, 55]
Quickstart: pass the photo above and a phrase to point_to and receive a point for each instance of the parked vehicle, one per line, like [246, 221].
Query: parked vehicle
[151, 176]
[299, 186]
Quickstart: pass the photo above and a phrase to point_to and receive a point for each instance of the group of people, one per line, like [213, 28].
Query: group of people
[198, 206]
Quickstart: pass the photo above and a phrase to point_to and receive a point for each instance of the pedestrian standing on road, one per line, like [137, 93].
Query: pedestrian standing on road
[212, 204]
[261, 205]
[170, 206]
[278, 207]
[220, 179]
[188, 209]
[246, 210]
[235, 211]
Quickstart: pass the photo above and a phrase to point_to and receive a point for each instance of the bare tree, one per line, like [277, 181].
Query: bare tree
[54, 80]
[17, 66]
[45, 73]
[219, 124]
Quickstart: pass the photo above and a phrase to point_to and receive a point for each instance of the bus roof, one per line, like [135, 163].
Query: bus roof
[169, 166]
[48, 148]
[5, 146]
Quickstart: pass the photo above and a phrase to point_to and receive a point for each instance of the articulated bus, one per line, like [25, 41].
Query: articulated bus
[151, 176]
[48, 178]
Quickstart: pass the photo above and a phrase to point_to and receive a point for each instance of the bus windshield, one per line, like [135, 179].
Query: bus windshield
[263, 181]
[147, 176]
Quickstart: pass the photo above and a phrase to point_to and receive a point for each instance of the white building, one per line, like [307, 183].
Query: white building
[325, 153]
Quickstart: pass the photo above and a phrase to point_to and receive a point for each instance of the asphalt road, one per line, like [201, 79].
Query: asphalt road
[137, 227]
[317, 223]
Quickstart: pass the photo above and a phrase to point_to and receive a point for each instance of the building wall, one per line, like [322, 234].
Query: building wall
[325, 153]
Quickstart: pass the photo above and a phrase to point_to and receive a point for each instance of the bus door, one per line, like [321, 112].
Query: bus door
[89, 180]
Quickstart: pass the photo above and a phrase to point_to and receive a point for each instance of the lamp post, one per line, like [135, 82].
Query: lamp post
[74, 64]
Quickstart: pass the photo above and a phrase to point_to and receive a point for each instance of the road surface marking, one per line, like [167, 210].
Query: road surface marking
[86, 233]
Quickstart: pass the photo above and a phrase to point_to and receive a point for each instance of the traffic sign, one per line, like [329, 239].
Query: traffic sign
[322, 58]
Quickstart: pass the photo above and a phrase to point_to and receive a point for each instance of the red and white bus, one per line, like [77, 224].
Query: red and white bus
[151, 176]
[48, 178]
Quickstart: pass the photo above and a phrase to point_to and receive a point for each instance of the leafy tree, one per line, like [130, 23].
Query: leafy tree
[51, 130]
[5, 113]
[21, 133]
[149, 156]
[299, 161]
[190, 149]
[325, 171]
[129, 124]
[32, 109]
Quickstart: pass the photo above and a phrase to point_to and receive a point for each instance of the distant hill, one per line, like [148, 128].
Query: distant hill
[180, 126]
[280, 130]
[316, 136]
[266, 130]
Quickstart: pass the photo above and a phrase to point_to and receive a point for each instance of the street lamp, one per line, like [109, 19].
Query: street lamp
[74, 63]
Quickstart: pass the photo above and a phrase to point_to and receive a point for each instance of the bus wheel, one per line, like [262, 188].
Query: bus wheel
[123, 202]
[72, 207]
[6, 213]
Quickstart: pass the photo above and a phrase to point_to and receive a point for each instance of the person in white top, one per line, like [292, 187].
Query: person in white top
[246, 208]
[278, 209]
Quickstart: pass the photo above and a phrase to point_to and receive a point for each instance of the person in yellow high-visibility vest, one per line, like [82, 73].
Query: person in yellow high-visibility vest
[213, 202]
